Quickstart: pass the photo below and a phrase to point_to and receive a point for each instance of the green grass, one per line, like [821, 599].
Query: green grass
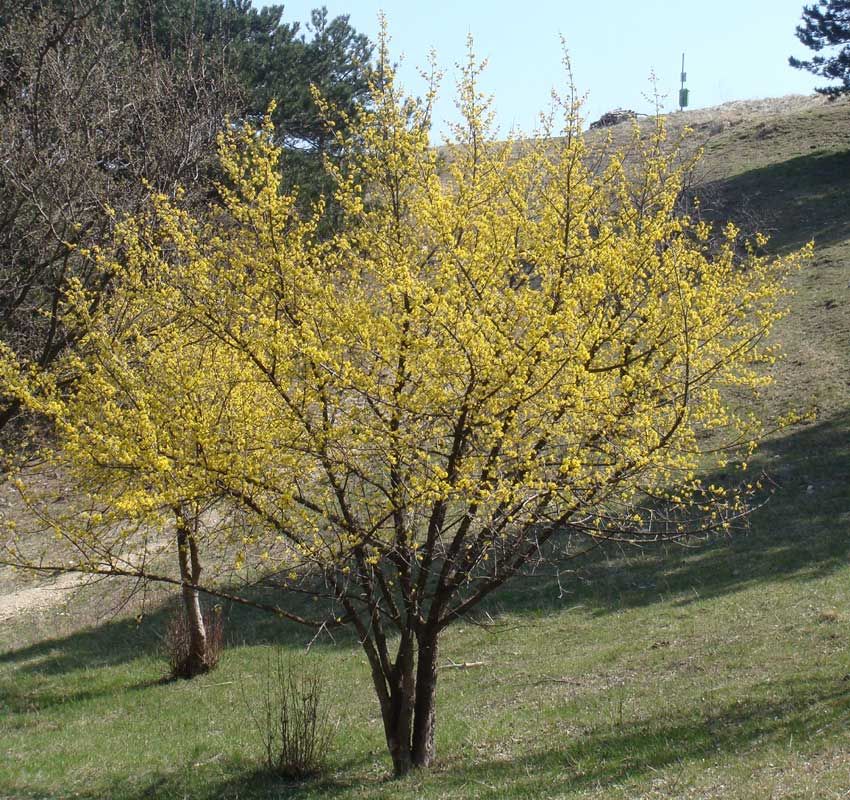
[718, 671]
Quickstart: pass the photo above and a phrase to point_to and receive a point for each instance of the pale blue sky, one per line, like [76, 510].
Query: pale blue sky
[734, 49]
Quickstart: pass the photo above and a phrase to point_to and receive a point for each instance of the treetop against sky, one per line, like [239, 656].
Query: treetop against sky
[733, 50]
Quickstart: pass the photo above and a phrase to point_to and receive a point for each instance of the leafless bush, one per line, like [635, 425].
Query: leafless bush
[81, 137]
[293, 720]
[177, 643]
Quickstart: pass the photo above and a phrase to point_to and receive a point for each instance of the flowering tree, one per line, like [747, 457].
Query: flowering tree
[507, 345]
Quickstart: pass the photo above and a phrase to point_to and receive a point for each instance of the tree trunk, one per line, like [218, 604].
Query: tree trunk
[426, 695]
[398, 715]
[408, 710]
[190, 573]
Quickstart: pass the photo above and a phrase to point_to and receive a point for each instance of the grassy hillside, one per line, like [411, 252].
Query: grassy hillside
[716, 672]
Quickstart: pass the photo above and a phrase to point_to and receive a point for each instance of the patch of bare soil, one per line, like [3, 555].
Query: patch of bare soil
[50, 594]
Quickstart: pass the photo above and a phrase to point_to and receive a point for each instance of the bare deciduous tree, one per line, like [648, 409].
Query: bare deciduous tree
[88, 124]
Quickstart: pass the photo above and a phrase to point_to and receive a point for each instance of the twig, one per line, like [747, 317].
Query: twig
[550, 679]
[322, 627]
[462, 665]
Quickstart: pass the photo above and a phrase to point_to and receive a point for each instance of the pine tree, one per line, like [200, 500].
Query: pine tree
[827, 26]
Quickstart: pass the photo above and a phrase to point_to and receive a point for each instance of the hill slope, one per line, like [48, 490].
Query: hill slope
[718, 672]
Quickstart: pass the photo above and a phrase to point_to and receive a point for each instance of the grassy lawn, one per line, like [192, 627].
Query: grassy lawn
[716, 672]
[719, 671]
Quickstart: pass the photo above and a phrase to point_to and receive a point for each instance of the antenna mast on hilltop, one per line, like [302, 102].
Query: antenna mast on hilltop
[683, 92]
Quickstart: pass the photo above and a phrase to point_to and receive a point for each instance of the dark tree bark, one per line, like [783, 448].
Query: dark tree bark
[425, 717]
[407, 694]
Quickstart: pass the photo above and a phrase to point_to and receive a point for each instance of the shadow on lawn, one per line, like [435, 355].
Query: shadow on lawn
[120, 641]
[803, 710]
[799, 534]
[609, 754]
[793, 201]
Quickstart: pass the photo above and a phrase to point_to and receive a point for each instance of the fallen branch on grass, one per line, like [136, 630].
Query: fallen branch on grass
[462, 665]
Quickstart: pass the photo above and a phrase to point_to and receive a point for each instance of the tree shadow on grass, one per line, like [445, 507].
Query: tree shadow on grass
[610, 754]
[246, 784]
[120, 641]
[794, 201]
[21, 699]
[800, 534]
[804, 710]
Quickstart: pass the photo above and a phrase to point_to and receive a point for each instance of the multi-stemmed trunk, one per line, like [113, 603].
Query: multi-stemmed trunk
[409, 708]
[190, 573]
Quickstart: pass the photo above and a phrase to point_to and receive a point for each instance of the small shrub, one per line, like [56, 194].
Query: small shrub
[293, 720]
[176, 642]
